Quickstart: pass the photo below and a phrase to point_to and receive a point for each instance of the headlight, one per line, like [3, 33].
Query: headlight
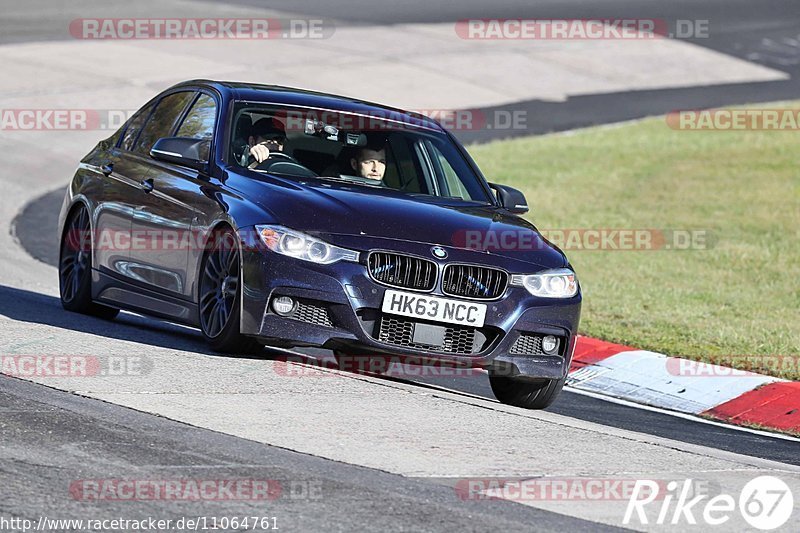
[301, 246]
[556, 283]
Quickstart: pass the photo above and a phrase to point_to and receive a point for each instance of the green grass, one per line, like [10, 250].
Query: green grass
[739, 297]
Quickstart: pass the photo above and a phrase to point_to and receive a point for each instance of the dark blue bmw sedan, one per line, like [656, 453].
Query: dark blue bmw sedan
[272, 216]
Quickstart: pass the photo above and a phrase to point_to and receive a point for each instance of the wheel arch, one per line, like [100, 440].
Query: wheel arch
[220, 224]
[215, 226]
[78, 202]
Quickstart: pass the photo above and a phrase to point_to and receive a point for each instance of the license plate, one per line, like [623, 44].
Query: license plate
[433, 308]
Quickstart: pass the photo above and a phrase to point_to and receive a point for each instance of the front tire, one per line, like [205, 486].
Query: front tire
[528, 394]
[75, 268]
[220, 296]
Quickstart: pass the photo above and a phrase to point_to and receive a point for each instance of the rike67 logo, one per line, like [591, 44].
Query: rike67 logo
[765, 503]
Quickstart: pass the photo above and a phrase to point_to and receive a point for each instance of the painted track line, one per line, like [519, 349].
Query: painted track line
[684, 416]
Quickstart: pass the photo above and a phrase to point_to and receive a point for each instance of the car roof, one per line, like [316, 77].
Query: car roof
[254, 92]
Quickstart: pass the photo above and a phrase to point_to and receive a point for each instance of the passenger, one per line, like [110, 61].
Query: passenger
[370, 162]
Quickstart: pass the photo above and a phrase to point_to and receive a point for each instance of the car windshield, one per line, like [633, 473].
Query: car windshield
[370, 151]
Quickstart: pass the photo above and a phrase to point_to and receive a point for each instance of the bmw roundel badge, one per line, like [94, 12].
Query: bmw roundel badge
[439, 252]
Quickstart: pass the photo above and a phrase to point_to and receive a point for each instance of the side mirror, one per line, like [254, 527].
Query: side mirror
[510, 198]
[183, 151]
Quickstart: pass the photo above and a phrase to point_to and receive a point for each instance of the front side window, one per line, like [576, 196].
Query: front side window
[199, 122]
[162, 120]
[379, 152]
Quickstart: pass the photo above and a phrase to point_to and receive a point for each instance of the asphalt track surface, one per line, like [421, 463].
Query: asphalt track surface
[92, 439]
[316, 494]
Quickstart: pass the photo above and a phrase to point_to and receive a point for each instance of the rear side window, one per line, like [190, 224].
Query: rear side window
[199, 122]
[134, 127]
[162, 120]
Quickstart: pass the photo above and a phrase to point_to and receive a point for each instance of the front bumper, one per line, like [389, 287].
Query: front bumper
[352, 301]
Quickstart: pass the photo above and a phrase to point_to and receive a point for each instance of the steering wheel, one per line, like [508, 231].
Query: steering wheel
[274, 157]
[280, 163]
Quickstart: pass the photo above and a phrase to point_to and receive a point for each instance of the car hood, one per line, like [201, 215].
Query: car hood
[330, 209]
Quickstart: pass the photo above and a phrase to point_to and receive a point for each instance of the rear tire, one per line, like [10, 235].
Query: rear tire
[75, 268]
[526, 393]
[220, 296]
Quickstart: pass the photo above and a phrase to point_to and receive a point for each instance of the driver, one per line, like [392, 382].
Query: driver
[267, 134]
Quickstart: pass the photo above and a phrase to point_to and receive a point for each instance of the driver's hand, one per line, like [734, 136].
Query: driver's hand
[260, 152]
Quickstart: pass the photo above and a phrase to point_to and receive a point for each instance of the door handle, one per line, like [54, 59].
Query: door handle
[107, 169]
[147, 185]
